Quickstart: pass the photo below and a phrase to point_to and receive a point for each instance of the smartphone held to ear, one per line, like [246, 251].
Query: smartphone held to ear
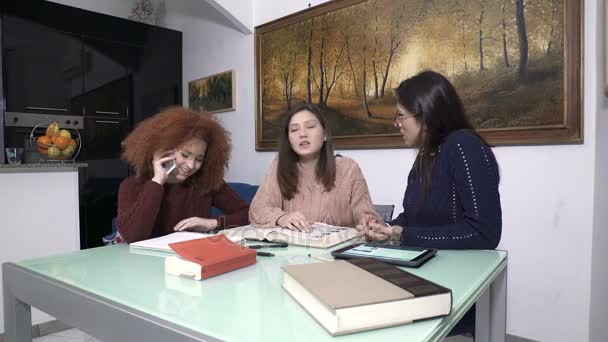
[169, 166]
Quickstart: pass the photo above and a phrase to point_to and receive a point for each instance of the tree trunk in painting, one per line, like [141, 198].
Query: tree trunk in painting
[481, 66]
[352, 70]
[553, 9]
[522, 70]
[364, 90]
[288, 78]
[308, 81]
[393, 49]
[504, 36]
[374, 69]
[464, 47]
[376, 85]
[337, 72]
[321, 77]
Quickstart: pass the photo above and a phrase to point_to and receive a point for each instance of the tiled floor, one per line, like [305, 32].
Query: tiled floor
[75, 335]
[72, 335]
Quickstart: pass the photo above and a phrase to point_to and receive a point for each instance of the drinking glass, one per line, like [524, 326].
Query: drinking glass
[14, 155]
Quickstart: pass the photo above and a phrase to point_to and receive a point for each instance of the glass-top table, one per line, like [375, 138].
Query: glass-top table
[116, 294]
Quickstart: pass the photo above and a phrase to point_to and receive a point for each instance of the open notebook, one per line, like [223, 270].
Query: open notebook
[162, 243]
[322, 236]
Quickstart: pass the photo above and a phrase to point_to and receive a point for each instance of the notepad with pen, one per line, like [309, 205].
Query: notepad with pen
[162, 243]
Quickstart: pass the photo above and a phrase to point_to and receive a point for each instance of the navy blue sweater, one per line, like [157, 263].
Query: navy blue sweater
[462, 209]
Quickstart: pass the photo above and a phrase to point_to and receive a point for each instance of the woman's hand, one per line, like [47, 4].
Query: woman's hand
[295, 221]
[160, 176]
[380, 232]
[197, 224]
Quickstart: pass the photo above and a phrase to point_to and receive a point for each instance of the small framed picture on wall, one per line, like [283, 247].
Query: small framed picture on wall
[214, 93]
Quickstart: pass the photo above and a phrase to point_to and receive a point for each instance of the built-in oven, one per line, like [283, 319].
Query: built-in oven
[20, 127]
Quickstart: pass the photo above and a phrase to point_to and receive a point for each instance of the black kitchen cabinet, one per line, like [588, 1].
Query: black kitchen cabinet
[158, 80]
[42, 68]
[115, 72]
[103, 137]
[108, 67]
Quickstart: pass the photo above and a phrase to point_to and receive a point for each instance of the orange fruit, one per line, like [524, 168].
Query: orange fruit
[61, 142]
[44, 142]
[72, 143]
[43, 151]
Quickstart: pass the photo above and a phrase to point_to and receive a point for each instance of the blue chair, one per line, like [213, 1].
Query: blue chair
[244, 190]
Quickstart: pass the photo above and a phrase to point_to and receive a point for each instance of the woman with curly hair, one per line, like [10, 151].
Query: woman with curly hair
[160, 199]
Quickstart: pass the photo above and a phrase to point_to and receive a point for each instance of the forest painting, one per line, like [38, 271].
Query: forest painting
[212, 94]
[516, 64]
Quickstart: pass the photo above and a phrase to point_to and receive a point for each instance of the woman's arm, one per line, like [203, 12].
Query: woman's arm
[235, 209]
[266, 207]
[474, 171]
[360, 200]
[138, 206]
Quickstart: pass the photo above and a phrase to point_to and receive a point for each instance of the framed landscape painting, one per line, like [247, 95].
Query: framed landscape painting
[516, 64]
[213, 94]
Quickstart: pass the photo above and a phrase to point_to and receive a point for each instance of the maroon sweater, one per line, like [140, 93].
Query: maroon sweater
[147, 209]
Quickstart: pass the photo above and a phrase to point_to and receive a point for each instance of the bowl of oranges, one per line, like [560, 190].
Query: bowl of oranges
[56, 144]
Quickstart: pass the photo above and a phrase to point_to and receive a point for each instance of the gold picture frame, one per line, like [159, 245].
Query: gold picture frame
[332, 51]
[214, 93]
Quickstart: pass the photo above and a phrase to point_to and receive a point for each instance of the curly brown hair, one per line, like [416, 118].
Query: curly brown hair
[172, 128]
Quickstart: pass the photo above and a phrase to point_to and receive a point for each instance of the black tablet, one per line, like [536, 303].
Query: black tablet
[396, 255]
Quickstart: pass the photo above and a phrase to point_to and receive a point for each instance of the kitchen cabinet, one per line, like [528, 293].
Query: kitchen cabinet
[103, 137]
[108, 69]
[158, 80]
[114, 72]
[42, 68]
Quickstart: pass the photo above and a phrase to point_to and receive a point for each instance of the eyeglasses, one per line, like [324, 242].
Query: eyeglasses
[399, 117]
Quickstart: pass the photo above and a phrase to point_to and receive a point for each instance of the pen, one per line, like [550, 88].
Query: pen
[318, 258]
[278, 245]
[264, 254]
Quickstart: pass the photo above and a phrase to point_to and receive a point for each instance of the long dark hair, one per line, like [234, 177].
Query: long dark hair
[287, 173]
[439, 110]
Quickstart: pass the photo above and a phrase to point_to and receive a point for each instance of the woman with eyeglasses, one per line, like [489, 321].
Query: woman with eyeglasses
[451, 200]
[307, 183]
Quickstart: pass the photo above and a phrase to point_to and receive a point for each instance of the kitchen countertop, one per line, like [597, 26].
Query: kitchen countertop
[41, 167]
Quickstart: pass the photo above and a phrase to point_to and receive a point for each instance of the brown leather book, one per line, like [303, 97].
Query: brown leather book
[208, 257]
[354, 295]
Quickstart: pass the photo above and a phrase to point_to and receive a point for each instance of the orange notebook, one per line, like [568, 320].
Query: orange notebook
[215, 254]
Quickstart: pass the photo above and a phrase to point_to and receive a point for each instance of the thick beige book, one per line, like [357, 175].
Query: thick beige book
[354, 295]
[322, 235]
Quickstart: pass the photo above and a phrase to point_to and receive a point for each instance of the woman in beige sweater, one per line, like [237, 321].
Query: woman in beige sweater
[307, 183]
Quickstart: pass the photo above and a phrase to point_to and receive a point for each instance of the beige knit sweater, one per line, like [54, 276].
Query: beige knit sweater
[347, 204]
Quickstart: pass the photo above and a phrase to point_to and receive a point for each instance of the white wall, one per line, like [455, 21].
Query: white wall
[598, 329]
[239, 12]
